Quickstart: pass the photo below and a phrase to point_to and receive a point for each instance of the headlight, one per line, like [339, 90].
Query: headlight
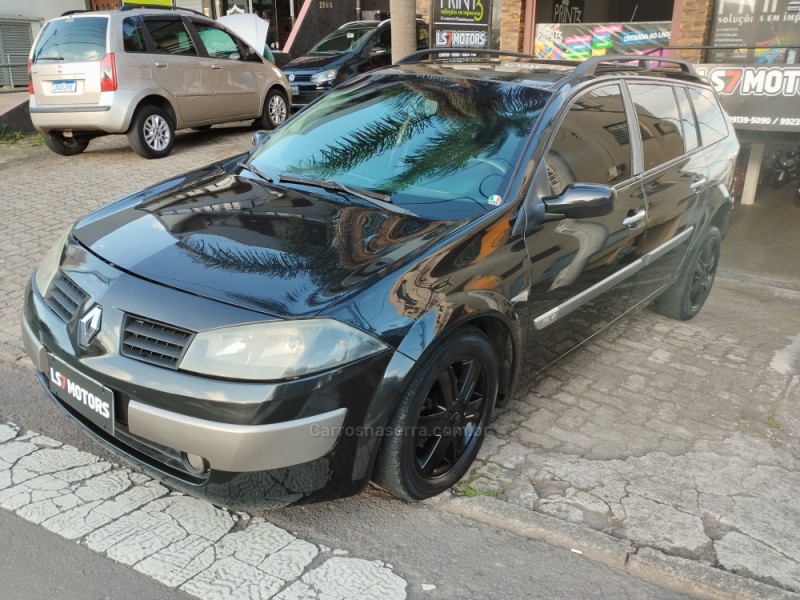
[277, 350]
[49, 265]
[324, 77]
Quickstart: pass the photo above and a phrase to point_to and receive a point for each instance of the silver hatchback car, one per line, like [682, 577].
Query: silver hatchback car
[147, 73]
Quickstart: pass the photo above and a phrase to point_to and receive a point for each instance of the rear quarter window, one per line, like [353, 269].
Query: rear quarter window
[72, 40]
[659, 123]
[712, 121]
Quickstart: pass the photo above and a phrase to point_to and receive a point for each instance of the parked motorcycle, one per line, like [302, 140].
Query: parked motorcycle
[786, 169]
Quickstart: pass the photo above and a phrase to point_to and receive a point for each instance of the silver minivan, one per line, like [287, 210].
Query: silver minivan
[147, 73]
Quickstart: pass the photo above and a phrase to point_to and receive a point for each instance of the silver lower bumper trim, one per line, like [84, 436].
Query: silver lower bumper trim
[239, 448]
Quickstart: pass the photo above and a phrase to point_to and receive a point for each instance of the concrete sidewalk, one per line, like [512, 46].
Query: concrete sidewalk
[672, 440]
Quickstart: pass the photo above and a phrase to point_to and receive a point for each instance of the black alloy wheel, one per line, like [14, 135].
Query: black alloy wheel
[63, 145]
[686, 297]
[440, 421]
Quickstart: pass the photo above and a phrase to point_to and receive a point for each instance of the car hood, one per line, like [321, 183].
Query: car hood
[314, 61]
[263, 247]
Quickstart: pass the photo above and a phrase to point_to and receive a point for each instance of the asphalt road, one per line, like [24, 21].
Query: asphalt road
[424, 545]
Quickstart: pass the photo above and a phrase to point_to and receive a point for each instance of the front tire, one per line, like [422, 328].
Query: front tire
[276, 110]
[65, 146]
[686, 297]
[440, 421]
[152, 133]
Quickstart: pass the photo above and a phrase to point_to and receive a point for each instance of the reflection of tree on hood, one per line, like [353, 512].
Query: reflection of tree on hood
[468, 122]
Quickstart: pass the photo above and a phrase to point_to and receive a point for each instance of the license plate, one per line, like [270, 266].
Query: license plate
[91, 399]
[294, 89]
[58, 87]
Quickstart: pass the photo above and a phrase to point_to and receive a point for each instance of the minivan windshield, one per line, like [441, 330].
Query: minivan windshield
[72, 40]
[439, 147]
[342, 40]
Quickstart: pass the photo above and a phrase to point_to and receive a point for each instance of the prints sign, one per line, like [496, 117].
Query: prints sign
[460, 24]
[568, 11]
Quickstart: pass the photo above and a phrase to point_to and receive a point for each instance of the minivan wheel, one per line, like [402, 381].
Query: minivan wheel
[687, 296]
[440, 421]
[65, 146]
[152, 133]
[275, 110]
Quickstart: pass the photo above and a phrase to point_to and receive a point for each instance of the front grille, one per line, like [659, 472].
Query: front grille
[301, 77]
[152, 342]
[64, 297]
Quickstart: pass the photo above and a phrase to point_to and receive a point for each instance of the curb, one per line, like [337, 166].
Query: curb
[677, 574]
[758, 280]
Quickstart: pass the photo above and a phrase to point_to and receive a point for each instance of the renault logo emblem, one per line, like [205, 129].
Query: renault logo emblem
[89, 325]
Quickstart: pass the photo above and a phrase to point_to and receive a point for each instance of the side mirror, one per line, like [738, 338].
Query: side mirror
[259, 136]
[580, 201]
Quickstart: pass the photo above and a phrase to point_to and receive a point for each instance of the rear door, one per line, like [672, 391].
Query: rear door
[179, 69]
[235, 75]
[65, 65]
[674, 180]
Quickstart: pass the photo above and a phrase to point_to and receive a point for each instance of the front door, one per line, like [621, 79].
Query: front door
[582, 269]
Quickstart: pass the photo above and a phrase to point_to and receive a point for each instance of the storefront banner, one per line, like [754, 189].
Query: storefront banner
[460, 24]
[762, 25]
[757, 97]
[579, 41]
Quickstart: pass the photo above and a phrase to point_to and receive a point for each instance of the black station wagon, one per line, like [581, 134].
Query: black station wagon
[350, 300]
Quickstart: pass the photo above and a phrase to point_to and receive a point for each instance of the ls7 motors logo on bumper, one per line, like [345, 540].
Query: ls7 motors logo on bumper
[753, 81]
[450, 38]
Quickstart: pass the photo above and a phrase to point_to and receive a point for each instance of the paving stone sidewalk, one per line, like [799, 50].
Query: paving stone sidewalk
[681, 437]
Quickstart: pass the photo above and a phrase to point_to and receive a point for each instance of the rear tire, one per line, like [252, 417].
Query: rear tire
[687, 295]
[440, 420]
[65, 146]
[276, 110]
[152, 133]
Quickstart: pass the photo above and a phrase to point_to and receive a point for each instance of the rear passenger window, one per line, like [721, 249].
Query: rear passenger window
[170, 36]
[217, 42]
[132, 37]
[690, 139]
[659, 123]
[592, 144]
[713, 125]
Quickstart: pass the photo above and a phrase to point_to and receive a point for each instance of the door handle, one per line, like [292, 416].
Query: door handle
[213, 66]
[632, 220]
[161, 65]
[698, 183]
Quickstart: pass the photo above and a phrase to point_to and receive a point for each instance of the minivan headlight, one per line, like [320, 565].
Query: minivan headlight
[48, 267]
[277, 350]
[324, 77]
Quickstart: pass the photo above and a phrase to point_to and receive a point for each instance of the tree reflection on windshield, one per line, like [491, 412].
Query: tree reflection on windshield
[430, 141]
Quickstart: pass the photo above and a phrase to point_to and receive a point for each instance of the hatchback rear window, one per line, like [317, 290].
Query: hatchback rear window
[72, 40]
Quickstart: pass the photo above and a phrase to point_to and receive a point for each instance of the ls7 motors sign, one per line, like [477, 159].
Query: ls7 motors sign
[461, 24]
[758, 97]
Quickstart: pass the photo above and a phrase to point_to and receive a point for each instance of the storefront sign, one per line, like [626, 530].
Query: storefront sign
[578, 41]
[757, 97]
[568, 11]
[460, 24]
[760, 25]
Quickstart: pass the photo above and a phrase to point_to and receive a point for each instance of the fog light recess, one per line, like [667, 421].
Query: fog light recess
[197, 465]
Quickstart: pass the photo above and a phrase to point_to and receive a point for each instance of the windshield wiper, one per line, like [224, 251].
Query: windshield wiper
[382, 200]
[49, 58]
[255, 170]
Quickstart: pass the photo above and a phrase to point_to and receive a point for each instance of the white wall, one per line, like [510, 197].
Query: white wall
[37, 11]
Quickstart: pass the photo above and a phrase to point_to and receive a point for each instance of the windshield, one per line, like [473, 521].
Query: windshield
[72, 40]
[441, 148]
[342, 40]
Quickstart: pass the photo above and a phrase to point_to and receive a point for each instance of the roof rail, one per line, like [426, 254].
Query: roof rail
[463, 53]
[147, 6]
[589, 66]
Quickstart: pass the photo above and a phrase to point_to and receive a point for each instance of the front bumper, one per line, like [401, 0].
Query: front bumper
[266, 445]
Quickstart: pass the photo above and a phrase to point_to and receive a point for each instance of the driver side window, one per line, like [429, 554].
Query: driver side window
[592, 144]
